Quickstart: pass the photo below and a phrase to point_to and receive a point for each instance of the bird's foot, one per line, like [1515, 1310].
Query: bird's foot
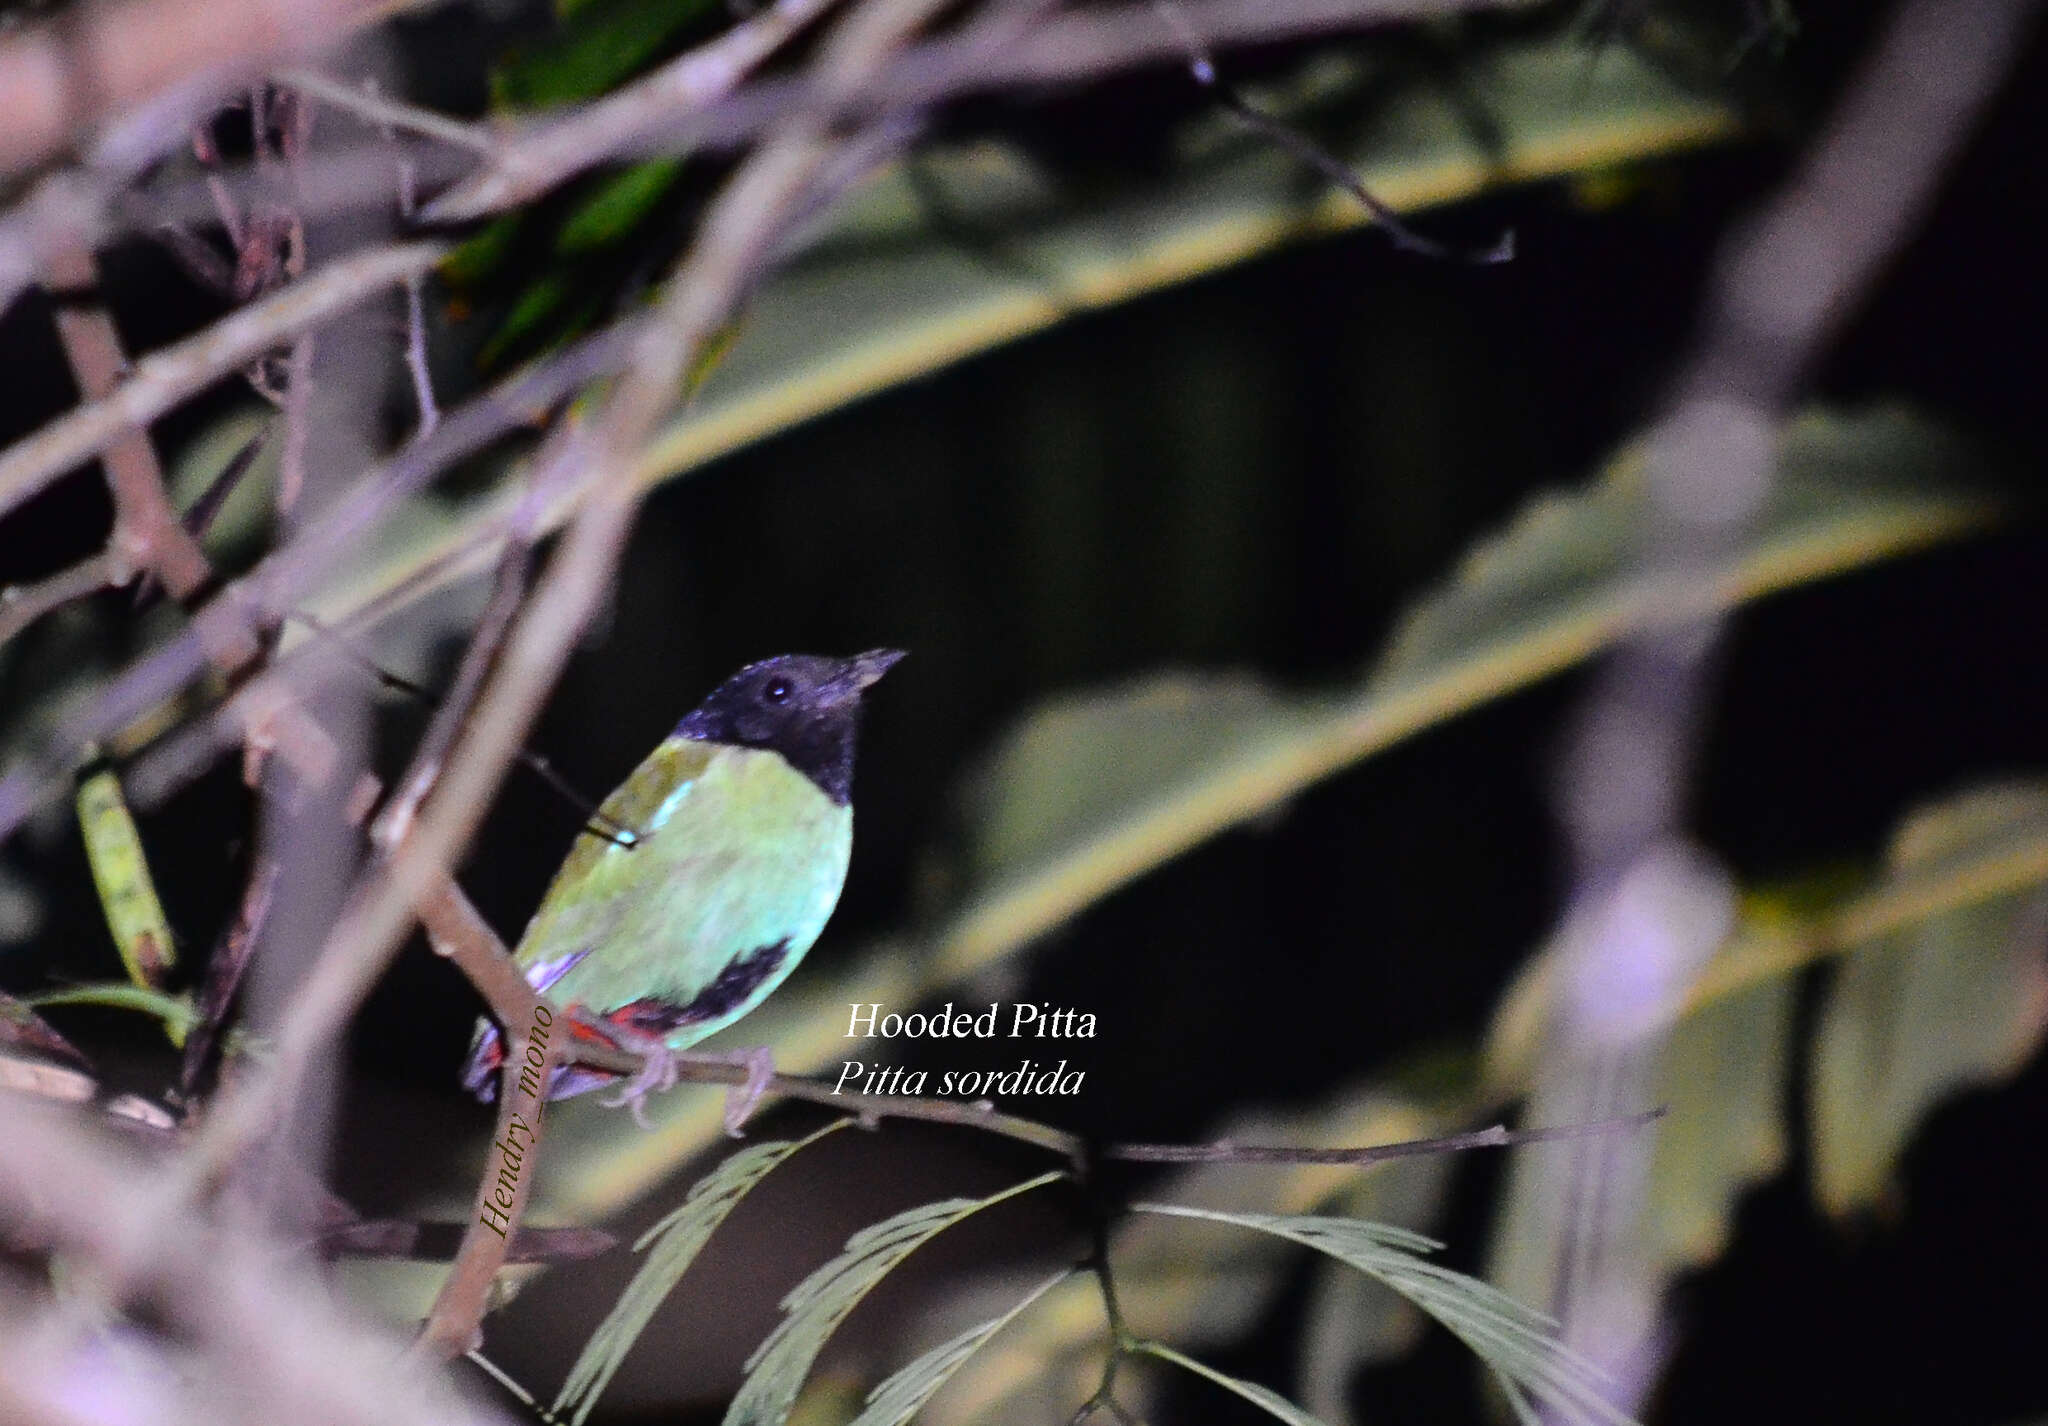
[742, 1099]
[658, 1074]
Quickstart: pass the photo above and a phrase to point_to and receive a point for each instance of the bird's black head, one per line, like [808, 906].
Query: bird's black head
[800, 705]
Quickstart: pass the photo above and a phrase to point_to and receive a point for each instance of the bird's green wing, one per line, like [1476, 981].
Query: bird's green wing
[738, 863]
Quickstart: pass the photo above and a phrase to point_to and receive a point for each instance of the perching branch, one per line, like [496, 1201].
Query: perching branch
[458, 932]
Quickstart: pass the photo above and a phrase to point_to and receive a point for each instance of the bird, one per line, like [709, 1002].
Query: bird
[731, 848]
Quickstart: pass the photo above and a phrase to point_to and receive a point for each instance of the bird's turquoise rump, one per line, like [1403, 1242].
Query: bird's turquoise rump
[740, 827]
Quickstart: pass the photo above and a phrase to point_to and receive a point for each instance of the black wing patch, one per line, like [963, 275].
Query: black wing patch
[725, 994]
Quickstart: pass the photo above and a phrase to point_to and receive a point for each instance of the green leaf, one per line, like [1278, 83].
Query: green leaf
[1514, 1341]
[174, 1010]
[1103, 787]
[818, 1304]
[482, 255]
[675, 1241]
[1941, 985]
[535, 308]
[1722, 1074]
[905, 1392]
[1724, 1078]
[1957, 999]
[1272, 1403]
[1199, 1289]
[120, 873]
[886, 295]
[616, 204]
[597, 48]
[1099, 788]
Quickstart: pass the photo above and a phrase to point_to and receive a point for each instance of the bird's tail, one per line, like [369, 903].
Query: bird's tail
[487, 1046]
[480, 1072]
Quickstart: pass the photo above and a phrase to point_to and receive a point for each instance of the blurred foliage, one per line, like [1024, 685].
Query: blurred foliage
[555, 269]
[1929, 977]
[1940, 986]
[1096, 789]
[977, 242]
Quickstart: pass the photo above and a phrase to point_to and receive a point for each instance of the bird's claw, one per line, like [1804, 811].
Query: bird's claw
[741, 1100]
[658, 1073]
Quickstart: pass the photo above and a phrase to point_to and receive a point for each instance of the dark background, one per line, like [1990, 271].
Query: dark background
[1258, 471]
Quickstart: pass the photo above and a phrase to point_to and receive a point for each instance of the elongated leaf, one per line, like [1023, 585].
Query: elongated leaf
[120, 871]
[1271, 1402]
[905, 1392]
[1721, 1074]
[1942, 984]
[1200, 1289]
[675, 1242]
[818, 1304]
[1956, 1000]
[1724, 1080]
[174, 1010]
[1514, 1341]
[1102, 787]
[889, 294]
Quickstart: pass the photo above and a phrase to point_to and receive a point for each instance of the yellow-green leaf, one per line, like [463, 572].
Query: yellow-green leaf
[1113, 784]
[885, 294]
[1955, 1000]
[120, 871]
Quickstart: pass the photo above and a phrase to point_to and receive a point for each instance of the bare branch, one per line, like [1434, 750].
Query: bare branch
[164, 378]
[384, 113]
[434, 1242]
[22, 604]
[107, 59]
[1498, 1136]
[147, 535]
[455, 1324]
[672, 112]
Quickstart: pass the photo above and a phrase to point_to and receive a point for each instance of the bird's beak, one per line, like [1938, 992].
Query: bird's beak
[857, 674]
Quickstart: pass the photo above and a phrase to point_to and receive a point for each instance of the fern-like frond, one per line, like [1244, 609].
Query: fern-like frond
[676, 1240]
[816, 1306]
[1516, 1342]
[904, 1394]
[1270, 1402]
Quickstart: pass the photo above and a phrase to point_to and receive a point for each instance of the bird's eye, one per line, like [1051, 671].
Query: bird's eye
[775, 690]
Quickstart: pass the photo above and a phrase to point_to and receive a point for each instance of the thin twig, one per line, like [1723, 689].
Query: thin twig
[645, 120]
[454, 1325]
[22, 604]
[60, 78]
[428, 1241]
[560, 148]
[459, 933]
[224, 970]
[147, 534]
[280, 581]
[164, 378]
[508, 592]
[1497, 1137]
[1202, 68]
[382, 112]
